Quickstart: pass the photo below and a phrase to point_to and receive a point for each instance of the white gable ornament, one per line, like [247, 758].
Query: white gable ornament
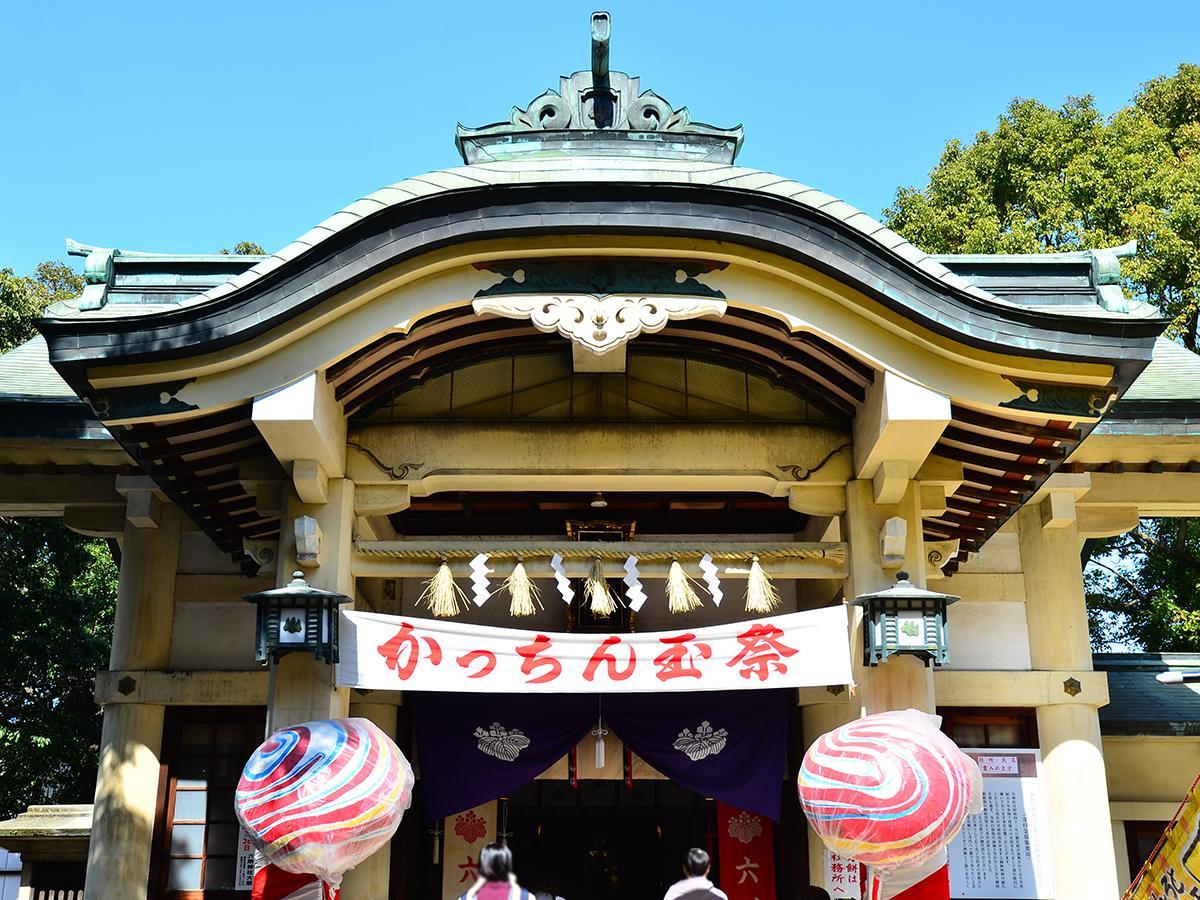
[599, 324]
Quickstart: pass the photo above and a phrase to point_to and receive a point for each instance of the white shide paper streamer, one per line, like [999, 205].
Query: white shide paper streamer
[708, 570]
[480, 589]
[564, 583]
[633, 585]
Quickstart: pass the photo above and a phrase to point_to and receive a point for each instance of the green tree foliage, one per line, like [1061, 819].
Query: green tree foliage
[23, 299]
[57, 589]
[245, 248]
[1060, 179]
[1143, 587]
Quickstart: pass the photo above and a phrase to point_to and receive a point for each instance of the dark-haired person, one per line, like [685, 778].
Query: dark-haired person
[695, 884]
[812, 892]
[496, 879]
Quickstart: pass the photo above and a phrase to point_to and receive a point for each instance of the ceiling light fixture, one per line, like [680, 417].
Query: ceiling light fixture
[598, 502]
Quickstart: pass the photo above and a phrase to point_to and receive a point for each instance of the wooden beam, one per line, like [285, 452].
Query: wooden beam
[1155, 494]
[216, 688]
[55, 492]
[999, 445]
[997, 463]
[961, 687]
[413, 559]
[304, 421]
[1013, 426]
[899, 421]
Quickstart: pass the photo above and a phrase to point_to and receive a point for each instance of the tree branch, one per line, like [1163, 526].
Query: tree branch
[1149, 542]
[1129, 583]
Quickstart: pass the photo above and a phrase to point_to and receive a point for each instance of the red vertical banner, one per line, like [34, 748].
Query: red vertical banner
[746, 849]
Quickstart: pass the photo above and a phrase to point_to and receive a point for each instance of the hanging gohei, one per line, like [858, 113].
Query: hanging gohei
[442, 595]
[526, 598]
[596, 592]
[761, 595]
[681, 598]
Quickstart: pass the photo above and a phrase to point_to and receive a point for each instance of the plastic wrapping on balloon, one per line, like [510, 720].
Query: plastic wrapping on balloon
[888, 790]
[321, 797]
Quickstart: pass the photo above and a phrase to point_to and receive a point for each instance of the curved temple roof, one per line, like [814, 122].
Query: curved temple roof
[600, 158]
[591, 195]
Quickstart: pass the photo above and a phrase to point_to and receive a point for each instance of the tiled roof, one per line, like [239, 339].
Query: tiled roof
[579, 170]
[1173, 374]
[1176, 375]
[1138, 704]
[25, 372]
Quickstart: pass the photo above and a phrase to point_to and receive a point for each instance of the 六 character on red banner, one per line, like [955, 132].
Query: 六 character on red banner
[746, 846]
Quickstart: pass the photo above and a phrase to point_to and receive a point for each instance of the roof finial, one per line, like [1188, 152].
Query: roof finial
[599, 112]
[601, 33]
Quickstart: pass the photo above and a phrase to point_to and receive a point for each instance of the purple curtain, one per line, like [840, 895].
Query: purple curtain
[729, 745]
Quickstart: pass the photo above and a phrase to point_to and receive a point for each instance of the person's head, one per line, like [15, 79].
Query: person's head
[495, 863]
[696, 864]
[812, 892]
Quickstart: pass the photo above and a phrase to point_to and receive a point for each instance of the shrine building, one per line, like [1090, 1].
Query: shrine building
[601, 350]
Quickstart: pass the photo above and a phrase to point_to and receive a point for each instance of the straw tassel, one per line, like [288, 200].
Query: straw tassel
[526, 598]
[681, 598]
[442, 594]
[761, 596]
[596, 591]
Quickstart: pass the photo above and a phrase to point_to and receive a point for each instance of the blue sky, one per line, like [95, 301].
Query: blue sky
[190, 126]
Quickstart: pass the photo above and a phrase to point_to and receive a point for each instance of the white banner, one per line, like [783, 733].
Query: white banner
[381, 652]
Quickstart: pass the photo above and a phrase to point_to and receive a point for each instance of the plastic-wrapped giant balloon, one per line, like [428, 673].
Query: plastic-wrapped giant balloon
[321, 797]
[889, 790]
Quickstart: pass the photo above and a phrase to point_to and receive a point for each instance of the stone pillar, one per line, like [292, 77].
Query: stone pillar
[1081, 844]
[304, 688]
[903, 681]
[816, 720]
[369, 880]
[131, 738]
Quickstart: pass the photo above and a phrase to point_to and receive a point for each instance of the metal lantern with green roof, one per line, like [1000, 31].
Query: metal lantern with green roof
[905, 619]
[295, 617]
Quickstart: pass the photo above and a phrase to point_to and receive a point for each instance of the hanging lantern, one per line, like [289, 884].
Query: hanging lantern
[297, 617]
[905, 619]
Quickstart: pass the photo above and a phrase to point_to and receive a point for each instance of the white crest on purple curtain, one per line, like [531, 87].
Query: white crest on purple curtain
[500, 742]
[705, 742]
[745, 827]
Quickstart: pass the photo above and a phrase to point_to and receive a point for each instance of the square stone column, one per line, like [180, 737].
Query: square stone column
[370, 879]
[1081, 843]
[904, 681]
[131, 738]
[304, 689]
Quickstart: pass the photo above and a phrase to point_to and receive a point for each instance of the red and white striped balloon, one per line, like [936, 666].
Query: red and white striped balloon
[888, 790]
[321, 797]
